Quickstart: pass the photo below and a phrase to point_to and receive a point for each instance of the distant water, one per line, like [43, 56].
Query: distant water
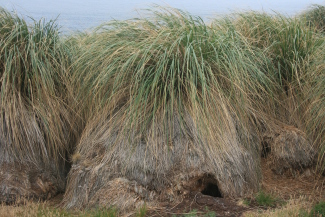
[85, 14]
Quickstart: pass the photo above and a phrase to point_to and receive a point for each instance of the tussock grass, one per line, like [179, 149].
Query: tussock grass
[314, 17]
[287, 41]
[315, 111]
[163, 84]
[147, 71]
[290, 46]
[159, 91]
[294, 50]
[35, 119]
[151, 85]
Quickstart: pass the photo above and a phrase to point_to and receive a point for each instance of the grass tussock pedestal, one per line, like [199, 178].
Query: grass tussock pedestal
[172, 101]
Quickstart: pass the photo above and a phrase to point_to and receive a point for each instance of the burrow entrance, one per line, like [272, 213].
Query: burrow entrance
[211, 190]
[209, 186]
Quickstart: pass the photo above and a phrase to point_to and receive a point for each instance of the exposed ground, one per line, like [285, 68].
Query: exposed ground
[292, 194]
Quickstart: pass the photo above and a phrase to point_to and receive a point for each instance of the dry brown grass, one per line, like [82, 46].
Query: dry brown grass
[298, 192]
[294, 207]
[31, 209]
[293, 183]
[51, 209]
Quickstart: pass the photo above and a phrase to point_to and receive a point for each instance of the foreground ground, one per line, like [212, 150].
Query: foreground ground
[292, 194]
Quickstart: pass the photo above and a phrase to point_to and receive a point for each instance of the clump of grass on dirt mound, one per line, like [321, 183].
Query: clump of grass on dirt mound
[170, 105]
[35, 123]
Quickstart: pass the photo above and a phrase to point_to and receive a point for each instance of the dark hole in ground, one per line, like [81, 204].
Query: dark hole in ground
[266, 149]
[211, 190]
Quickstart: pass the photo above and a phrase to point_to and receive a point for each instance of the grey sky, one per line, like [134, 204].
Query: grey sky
[80, 14]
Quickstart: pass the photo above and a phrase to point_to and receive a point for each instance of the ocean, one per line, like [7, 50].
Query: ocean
[80, 15]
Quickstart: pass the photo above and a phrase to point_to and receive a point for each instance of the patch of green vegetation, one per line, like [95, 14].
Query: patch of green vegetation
[209, 213]
[318, 209]
[142, 211]
[264, 199]
[193, 213]
[48, 211]
[57, 212]
[110, 212]
[247, 202]
[303, 213]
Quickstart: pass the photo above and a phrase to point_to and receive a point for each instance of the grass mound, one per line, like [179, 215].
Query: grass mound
[35, 126]
[293, 49]
[167, 96]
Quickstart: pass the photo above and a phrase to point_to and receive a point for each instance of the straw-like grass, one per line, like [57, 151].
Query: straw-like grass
[35, 126]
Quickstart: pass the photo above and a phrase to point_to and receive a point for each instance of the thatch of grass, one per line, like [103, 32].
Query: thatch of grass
[164, 96]
[35, 128]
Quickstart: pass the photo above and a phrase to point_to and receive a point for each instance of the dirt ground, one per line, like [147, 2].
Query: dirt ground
[291, 186]
[294, 184]
[197, 204]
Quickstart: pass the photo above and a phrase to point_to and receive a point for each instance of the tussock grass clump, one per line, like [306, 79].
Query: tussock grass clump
[171, 59]
[291, 47]
[171, 63]
[315, 17]
[35, 128]
[164, 95]
[286, 40]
